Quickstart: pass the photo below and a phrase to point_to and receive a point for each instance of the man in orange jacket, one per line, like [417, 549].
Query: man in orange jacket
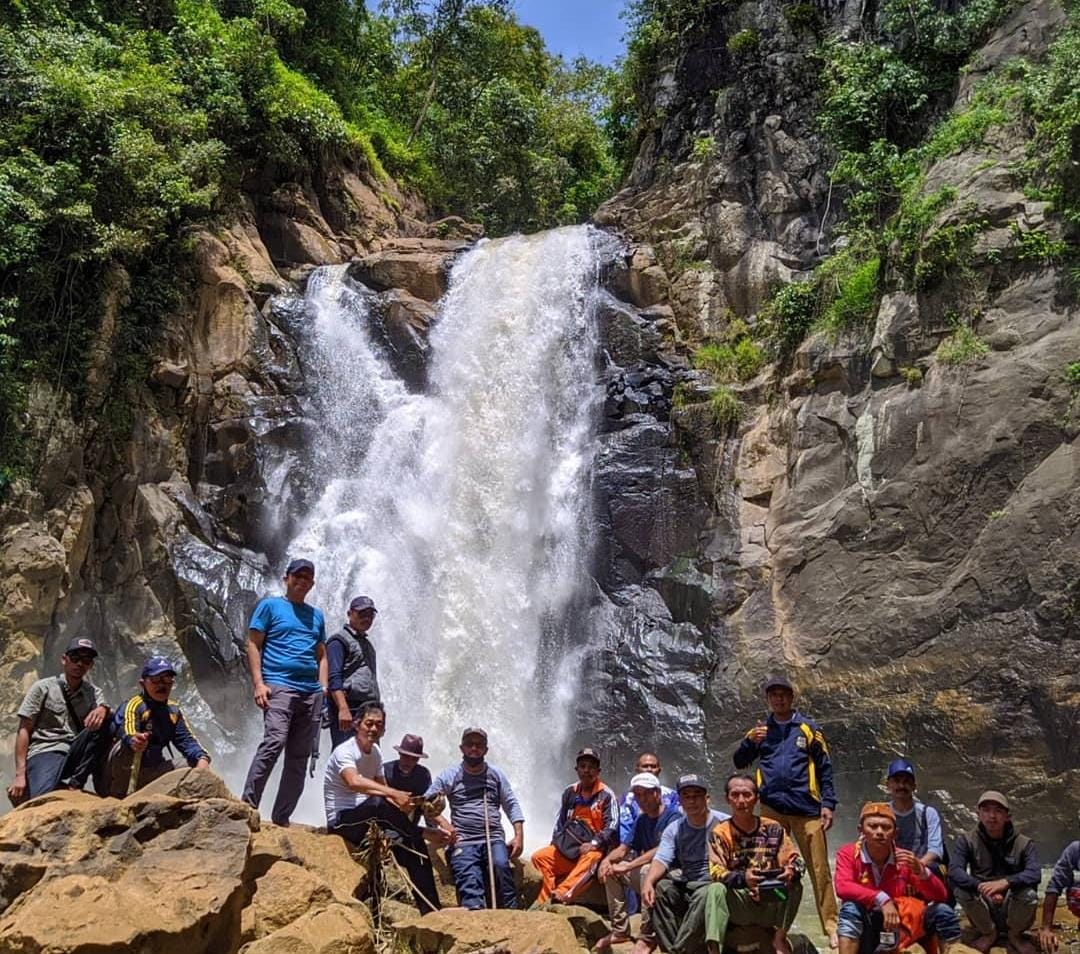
[586, 829]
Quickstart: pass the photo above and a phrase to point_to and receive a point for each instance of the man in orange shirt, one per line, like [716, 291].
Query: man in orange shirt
[586, 829]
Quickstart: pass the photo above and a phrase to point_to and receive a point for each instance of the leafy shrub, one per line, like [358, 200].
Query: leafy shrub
[703, 148]
[1037, 246]
[803, 17]
[790, 313]
[852, 287]
[1072, 375]
[725, 407]
[743, 43]
[963, 346]
[913, 376]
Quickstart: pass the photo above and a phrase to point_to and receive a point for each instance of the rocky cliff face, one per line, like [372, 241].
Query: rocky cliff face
[905, 546]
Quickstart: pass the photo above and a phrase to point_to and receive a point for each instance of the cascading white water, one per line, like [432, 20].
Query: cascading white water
[464, 512]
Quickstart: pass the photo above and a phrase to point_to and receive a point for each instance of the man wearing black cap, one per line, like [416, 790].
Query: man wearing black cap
[286, 651]
[586, 828]
[148, 723]
[350, 660]
[678, 903]
[476, 791]
[795, 781]
[59, 738]
[995, 875]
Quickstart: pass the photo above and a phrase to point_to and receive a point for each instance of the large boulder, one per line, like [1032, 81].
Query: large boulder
[509, 932]
[419, 266]
[337, 929]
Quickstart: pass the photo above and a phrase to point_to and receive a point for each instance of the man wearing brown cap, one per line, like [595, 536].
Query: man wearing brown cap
[995, 876]
[60, 736]
[886, 891]
[586, 828]
[352, 668]
[795, 780]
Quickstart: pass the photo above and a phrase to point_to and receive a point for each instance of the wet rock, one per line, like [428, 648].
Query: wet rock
[419, 266]
[402, 322]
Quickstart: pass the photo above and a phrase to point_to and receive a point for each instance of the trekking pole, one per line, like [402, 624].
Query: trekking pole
[133, 779]
[490, 860]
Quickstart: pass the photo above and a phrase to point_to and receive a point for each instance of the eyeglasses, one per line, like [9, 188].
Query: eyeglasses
[165, 679]
[83, 659]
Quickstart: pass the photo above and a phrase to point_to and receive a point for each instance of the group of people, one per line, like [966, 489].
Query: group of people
[696, 871]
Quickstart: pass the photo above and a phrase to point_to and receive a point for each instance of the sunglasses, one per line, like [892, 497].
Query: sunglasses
[83, 659]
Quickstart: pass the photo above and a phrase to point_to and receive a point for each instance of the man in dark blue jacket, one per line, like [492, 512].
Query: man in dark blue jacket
[795, 782]
[144, 726]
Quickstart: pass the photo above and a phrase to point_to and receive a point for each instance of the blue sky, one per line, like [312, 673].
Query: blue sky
[572, 27]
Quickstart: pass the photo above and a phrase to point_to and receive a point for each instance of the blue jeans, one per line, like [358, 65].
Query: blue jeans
[470, 868]
[43, 772]
[864, 926]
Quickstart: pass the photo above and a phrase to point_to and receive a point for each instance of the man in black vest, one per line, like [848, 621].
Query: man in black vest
[995, 877]
[351, 661]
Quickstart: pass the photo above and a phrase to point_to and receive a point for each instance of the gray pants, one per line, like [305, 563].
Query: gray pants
[616, 888]
[1015, 914]
[678, 916]
[289, 722]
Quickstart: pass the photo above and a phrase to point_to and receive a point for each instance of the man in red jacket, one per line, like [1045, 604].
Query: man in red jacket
[873, 879]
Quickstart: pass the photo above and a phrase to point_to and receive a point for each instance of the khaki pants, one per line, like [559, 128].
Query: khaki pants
[810, 837]
[617, 888]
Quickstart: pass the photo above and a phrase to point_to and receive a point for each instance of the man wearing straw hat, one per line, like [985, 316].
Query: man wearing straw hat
[478, 855]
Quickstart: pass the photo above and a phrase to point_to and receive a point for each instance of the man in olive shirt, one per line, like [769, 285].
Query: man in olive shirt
[56, 711]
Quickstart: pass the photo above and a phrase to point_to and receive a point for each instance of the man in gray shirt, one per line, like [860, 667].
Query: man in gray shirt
[56, 711]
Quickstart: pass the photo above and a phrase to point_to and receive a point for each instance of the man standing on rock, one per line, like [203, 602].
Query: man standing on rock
[286, 654]
[476, 792]
[918, 826]
[625, 866]
[795, 781]
[145, 725]
[587, 826]
[628, 807]
[678, 903]
[995, 876]
[60, 737]
[352, 669]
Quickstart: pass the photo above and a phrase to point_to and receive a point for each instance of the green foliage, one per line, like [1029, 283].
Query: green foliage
[803, 17]
[725, 407]
[738, 361]
[1072, 375]
[1038, 246]
[963, 346]
[743, 43]
[790, 313]
[913, 376]
[703, 148]
[852, 286]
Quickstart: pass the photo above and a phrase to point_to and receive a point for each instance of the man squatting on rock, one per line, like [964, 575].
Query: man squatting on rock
[287, 657]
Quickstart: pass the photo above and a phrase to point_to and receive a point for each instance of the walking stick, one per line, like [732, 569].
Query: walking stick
[491, 861]
[133, 779]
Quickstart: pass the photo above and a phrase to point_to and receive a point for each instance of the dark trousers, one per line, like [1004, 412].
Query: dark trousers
[290, 722]
[117, 774]
[408, 846]
[678, 916]
[469, 864]
[47, 771]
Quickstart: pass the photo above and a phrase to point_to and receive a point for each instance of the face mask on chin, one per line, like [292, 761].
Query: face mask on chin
[473, 761]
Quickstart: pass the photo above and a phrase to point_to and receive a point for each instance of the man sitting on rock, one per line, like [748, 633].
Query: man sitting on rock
[585, 828]
[144, 726]
[1062, 881]
[755, 870]
[62, 727]
[886, 891]
[625, 866]
[357, 793]
[476, 791]
[995, 876]
[678, 901]
[628, 806]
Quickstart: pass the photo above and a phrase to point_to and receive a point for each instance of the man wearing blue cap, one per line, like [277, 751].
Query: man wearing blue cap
[146, 724]
[918, 826]
[352, 669]
[286, 651]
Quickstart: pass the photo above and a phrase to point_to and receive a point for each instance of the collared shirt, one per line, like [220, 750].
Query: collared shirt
[471, 795]
[52, 729]
[629, 810]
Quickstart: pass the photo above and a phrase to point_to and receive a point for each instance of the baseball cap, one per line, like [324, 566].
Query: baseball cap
[777, 682]
[992, 796]
[645, 780]
[80, 644]
[411, 745]
[295, 566]
[361, 603]
[877, 808]
[691, 781]
[474, 730]
[900, 767]
[156, 665]
[587, 753]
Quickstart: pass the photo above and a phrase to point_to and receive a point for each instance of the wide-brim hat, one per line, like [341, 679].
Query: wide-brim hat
[411, 745]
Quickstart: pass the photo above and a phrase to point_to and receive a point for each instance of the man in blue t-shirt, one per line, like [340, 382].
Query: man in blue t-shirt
[678, 901]
[287, 657]
[625, 866]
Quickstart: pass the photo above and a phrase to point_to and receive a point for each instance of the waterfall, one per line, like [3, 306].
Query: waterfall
[464, 511]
